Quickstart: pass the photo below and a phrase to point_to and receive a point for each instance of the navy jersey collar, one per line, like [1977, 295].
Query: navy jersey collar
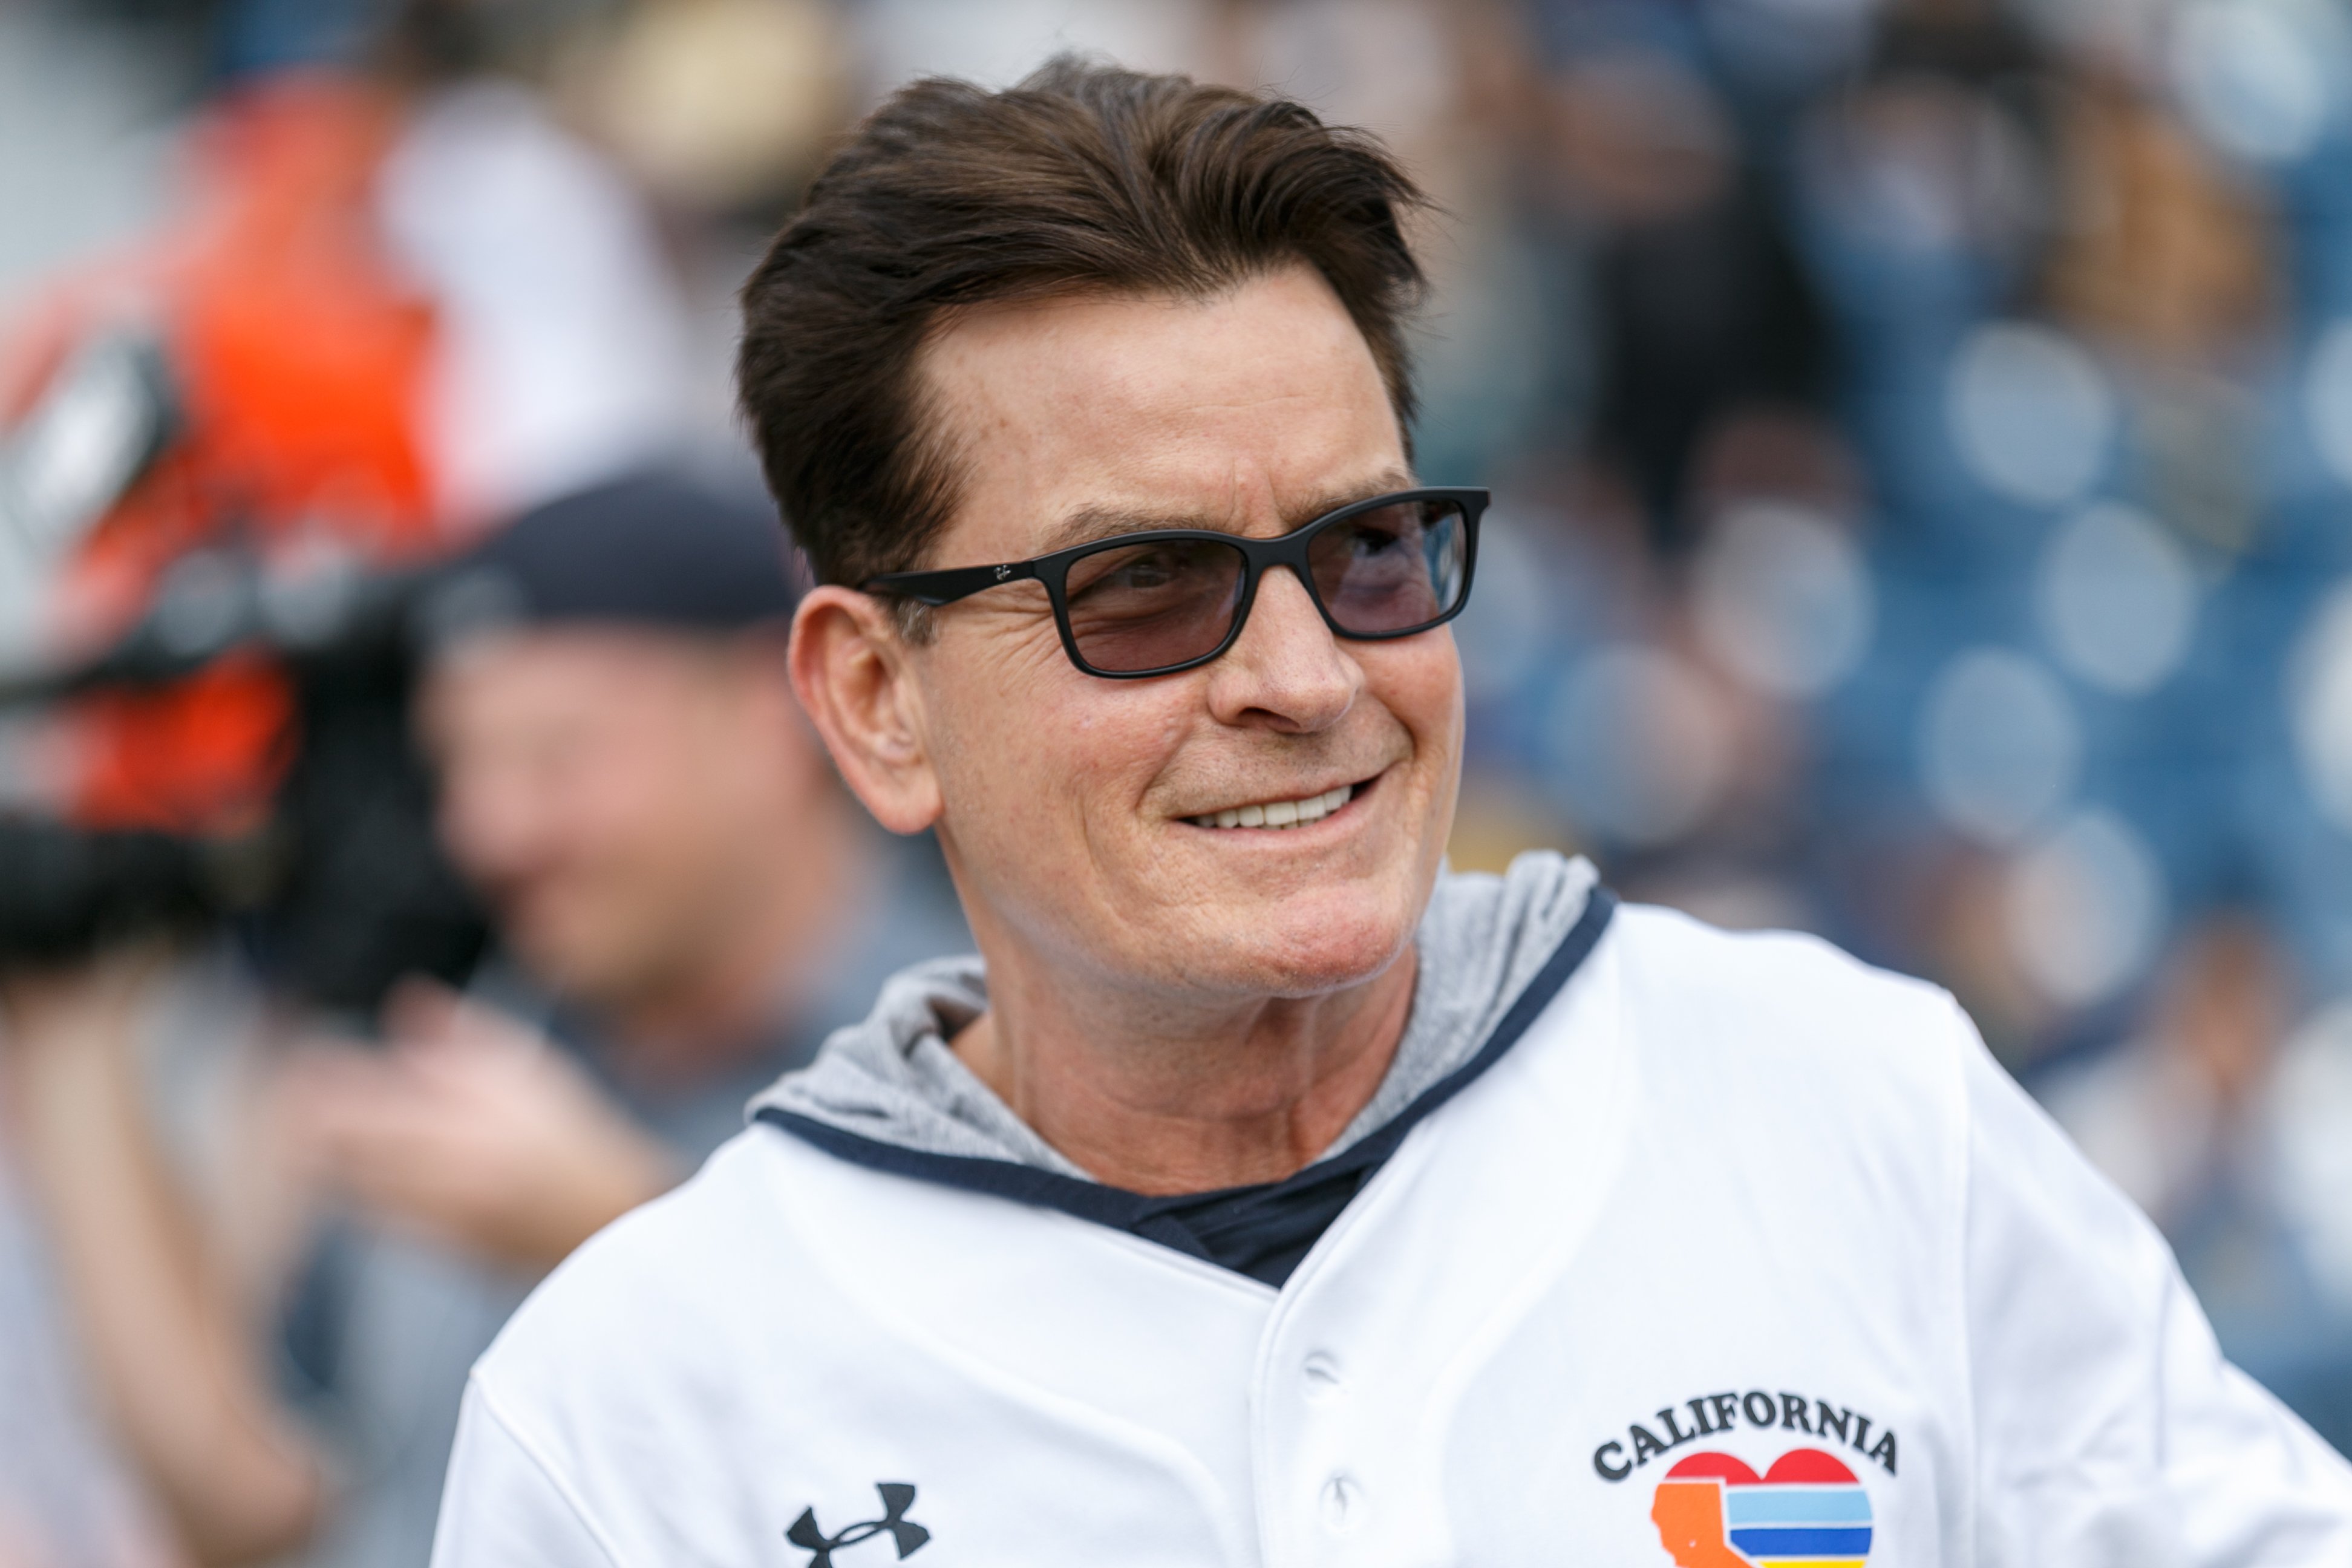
[1263, 1230]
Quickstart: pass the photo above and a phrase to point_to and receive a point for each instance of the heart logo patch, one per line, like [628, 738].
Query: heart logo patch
[1808, 1511]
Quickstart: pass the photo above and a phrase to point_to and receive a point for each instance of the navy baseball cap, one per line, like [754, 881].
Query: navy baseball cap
[653, 550]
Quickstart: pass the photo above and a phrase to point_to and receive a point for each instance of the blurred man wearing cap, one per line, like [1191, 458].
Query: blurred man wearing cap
[689, 901]
[626, 778]
[686, 901]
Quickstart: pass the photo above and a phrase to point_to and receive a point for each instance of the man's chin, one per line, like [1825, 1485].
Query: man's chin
[1304, 947]
[591, 969]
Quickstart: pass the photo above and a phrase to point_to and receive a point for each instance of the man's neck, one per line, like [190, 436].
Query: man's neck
[1167, 1100]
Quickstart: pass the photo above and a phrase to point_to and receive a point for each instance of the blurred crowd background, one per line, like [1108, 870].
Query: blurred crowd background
[1921, 433]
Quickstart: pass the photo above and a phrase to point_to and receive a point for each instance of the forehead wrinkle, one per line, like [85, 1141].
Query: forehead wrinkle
[1090, 523]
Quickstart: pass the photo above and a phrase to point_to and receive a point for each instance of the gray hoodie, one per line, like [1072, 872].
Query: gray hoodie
[893, 1079]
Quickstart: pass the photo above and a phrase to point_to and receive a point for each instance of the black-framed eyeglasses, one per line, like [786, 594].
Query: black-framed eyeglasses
[1167, 599]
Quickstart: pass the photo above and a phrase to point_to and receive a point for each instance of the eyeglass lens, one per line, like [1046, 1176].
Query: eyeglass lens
[1146, 606]
[1392, 570]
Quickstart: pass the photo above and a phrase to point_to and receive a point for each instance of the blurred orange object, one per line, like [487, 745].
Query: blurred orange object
[200, 755]
[298, 358]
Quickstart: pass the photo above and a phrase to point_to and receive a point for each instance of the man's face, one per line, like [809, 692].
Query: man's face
[1067, 802]
[607, 790]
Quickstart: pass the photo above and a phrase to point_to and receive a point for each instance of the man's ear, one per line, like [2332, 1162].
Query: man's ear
[849, 668]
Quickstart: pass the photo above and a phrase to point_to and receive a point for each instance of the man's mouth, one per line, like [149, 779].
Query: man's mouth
[1295, 813]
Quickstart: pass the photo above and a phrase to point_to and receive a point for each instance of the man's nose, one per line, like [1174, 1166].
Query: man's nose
[1286, 671]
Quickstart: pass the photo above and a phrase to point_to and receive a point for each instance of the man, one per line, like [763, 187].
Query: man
[1267, 1196]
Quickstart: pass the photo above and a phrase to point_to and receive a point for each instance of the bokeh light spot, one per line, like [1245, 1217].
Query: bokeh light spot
[2117, 597]
[2031, 411]
[2251, 77]
[2001, 745]
[2085, 910]
[1782, 599]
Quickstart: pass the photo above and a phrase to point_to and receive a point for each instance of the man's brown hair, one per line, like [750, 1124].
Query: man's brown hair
[1082, 178]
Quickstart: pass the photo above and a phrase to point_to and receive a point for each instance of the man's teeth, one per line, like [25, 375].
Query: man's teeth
[1280, 813]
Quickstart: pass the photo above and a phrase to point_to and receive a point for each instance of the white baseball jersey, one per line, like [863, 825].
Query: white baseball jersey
[1743, 1254]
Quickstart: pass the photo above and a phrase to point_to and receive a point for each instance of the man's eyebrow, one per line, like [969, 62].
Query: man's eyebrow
[1088, 524]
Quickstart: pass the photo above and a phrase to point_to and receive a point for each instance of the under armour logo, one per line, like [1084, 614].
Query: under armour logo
[897, 1496]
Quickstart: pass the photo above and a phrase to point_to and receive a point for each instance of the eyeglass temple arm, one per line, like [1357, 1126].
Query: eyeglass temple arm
[946, 587]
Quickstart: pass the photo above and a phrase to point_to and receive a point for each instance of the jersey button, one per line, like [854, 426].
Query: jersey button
[1321, 1375]
[1343, 1504]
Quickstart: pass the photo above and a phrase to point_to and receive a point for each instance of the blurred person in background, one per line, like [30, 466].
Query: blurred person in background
[2185, 1115]
[1713, 349]
[690, 901]
[69, 1497]
[626, 778]
[191, 1457]
[2168, 1112]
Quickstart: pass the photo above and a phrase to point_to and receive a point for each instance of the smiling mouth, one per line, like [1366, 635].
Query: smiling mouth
[1279, 814]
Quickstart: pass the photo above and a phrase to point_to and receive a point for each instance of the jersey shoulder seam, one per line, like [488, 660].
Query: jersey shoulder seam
[493, 1407]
